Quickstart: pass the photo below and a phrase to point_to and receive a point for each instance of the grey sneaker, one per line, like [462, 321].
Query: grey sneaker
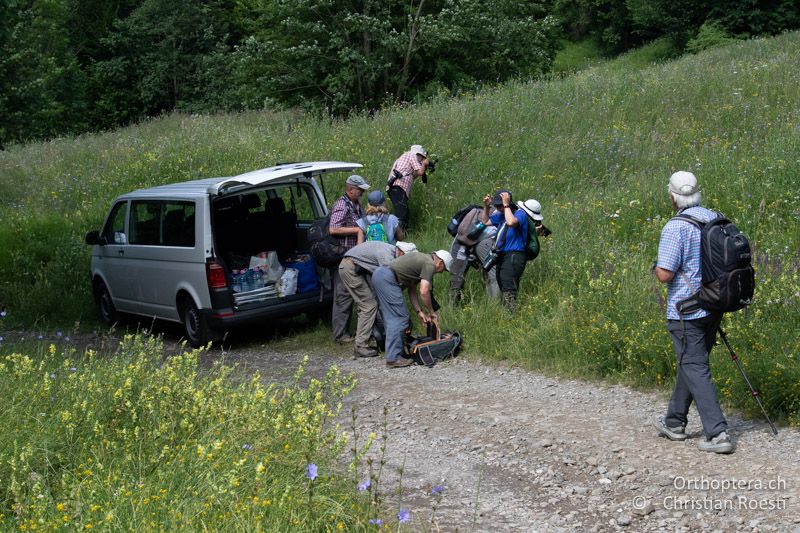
[365, 351]
[676, 433]
[719, 444]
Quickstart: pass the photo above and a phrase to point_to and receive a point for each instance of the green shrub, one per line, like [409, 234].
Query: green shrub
[709, 35]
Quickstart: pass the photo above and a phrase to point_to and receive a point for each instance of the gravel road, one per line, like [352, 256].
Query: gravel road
[518, 451]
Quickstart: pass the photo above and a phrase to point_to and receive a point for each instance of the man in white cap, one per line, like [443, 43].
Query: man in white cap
[408, 272]
[356, 267]
[693, 335]
[410, 165]
[345, 213]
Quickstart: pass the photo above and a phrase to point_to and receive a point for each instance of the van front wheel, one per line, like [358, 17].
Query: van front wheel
[194, 324]
[108, 312]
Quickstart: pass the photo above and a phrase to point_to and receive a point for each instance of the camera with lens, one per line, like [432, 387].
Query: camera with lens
[431, 168]
[545, 230]
[490, 260]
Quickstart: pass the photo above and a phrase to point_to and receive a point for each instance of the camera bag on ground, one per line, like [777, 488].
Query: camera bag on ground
[452, 227]
[325, 248]
[435, 346]
[728, 278]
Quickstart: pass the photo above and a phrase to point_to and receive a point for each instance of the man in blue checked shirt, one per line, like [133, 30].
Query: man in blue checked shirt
[694, 334]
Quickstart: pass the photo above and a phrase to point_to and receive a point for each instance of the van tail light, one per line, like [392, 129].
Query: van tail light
[215, 275]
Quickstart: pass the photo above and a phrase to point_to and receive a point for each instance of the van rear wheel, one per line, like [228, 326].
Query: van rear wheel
[108, 311]
[194, 322]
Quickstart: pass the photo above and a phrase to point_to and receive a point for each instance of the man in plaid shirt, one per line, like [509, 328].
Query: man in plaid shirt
[346, 211]
[694, 334]
[410, 165]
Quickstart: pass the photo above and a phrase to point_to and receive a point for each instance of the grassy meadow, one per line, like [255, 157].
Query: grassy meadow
[596, 148]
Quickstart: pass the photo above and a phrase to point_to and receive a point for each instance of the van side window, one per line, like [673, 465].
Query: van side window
[300, 204]
[162, 223]
[115, 224]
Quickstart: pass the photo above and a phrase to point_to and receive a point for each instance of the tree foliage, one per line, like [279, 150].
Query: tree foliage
[68, 66]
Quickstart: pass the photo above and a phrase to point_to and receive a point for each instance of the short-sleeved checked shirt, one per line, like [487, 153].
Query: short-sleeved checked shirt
[406, 164]
[345, 214]
[679, 252]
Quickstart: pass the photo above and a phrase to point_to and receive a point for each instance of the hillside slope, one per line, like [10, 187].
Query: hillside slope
[595, 148]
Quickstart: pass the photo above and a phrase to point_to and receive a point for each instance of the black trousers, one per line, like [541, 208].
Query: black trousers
[399, 200]
[510, 266]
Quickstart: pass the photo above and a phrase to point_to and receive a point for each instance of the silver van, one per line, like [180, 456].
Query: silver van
[170, 252]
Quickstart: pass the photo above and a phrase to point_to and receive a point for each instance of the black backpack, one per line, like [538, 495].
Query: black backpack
[452, 227]
[326, 249]
[727, 269]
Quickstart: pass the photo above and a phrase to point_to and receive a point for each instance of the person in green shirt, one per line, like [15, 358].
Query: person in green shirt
[412, 272]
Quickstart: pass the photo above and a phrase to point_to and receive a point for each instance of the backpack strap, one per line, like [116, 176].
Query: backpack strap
[699, 224]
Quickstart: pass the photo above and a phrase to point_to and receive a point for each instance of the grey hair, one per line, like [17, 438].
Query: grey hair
[685, 201]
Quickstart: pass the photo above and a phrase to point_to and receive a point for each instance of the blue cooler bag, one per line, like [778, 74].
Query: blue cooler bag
[307, 278]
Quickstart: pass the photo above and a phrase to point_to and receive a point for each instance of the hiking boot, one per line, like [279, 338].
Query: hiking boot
[365, 351]
[344, 339]
[719, 444]
[676, 433]
[400, 363]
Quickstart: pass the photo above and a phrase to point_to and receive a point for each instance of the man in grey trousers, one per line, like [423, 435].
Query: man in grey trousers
[355, 269]
[693, 335]
[410, 271]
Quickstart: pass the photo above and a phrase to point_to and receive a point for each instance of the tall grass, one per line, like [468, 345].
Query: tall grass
[596, 148]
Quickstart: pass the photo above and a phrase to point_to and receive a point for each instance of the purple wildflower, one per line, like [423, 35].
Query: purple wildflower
[52, 375]
[40, 337]
[58, 333]
[404, 515]
[3, 314]
[66, 338]
[73, 369]
[438, 489]
[376, 521]
[247, 447]
[311, 471]
[1, 338]
[364, 485]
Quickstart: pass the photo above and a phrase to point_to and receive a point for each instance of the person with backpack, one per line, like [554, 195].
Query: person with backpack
[345, 213]
[355, 270]
[472, 241]
[378, 224]
[406, 168]
[510, 243]
[693, 333]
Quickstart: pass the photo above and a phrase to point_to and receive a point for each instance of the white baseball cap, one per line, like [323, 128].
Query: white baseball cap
[683, 183]
[406, 247]
[417, 149]
[445, 256]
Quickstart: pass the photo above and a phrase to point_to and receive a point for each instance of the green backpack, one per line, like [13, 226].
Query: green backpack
[532, 245]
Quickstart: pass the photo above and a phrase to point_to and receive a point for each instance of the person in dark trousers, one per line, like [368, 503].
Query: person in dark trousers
[355, 270]
[406, 168]
[471, 244]
[345, 213]
[408, 272]
[694, 334]
[512, 236]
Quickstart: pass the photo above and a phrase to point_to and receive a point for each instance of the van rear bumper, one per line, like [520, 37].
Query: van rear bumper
[222, 319]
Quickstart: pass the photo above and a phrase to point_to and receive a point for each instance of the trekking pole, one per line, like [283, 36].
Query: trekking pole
[753, 391]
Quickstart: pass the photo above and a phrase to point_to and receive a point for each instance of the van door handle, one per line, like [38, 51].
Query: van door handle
[121, 252]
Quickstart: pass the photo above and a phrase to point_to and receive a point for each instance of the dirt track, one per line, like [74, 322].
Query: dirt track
[517, 451]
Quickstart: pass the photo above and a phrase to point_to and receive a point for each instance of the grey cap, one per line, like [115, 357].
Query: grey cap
[357, 181]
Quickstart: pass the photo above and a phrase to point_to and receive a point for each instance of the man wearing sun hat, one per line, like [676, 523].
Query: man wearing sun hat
[409, 166]
[512, 237]
[345, 213]
[356, 267]
[694, 334]
[408, 272]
